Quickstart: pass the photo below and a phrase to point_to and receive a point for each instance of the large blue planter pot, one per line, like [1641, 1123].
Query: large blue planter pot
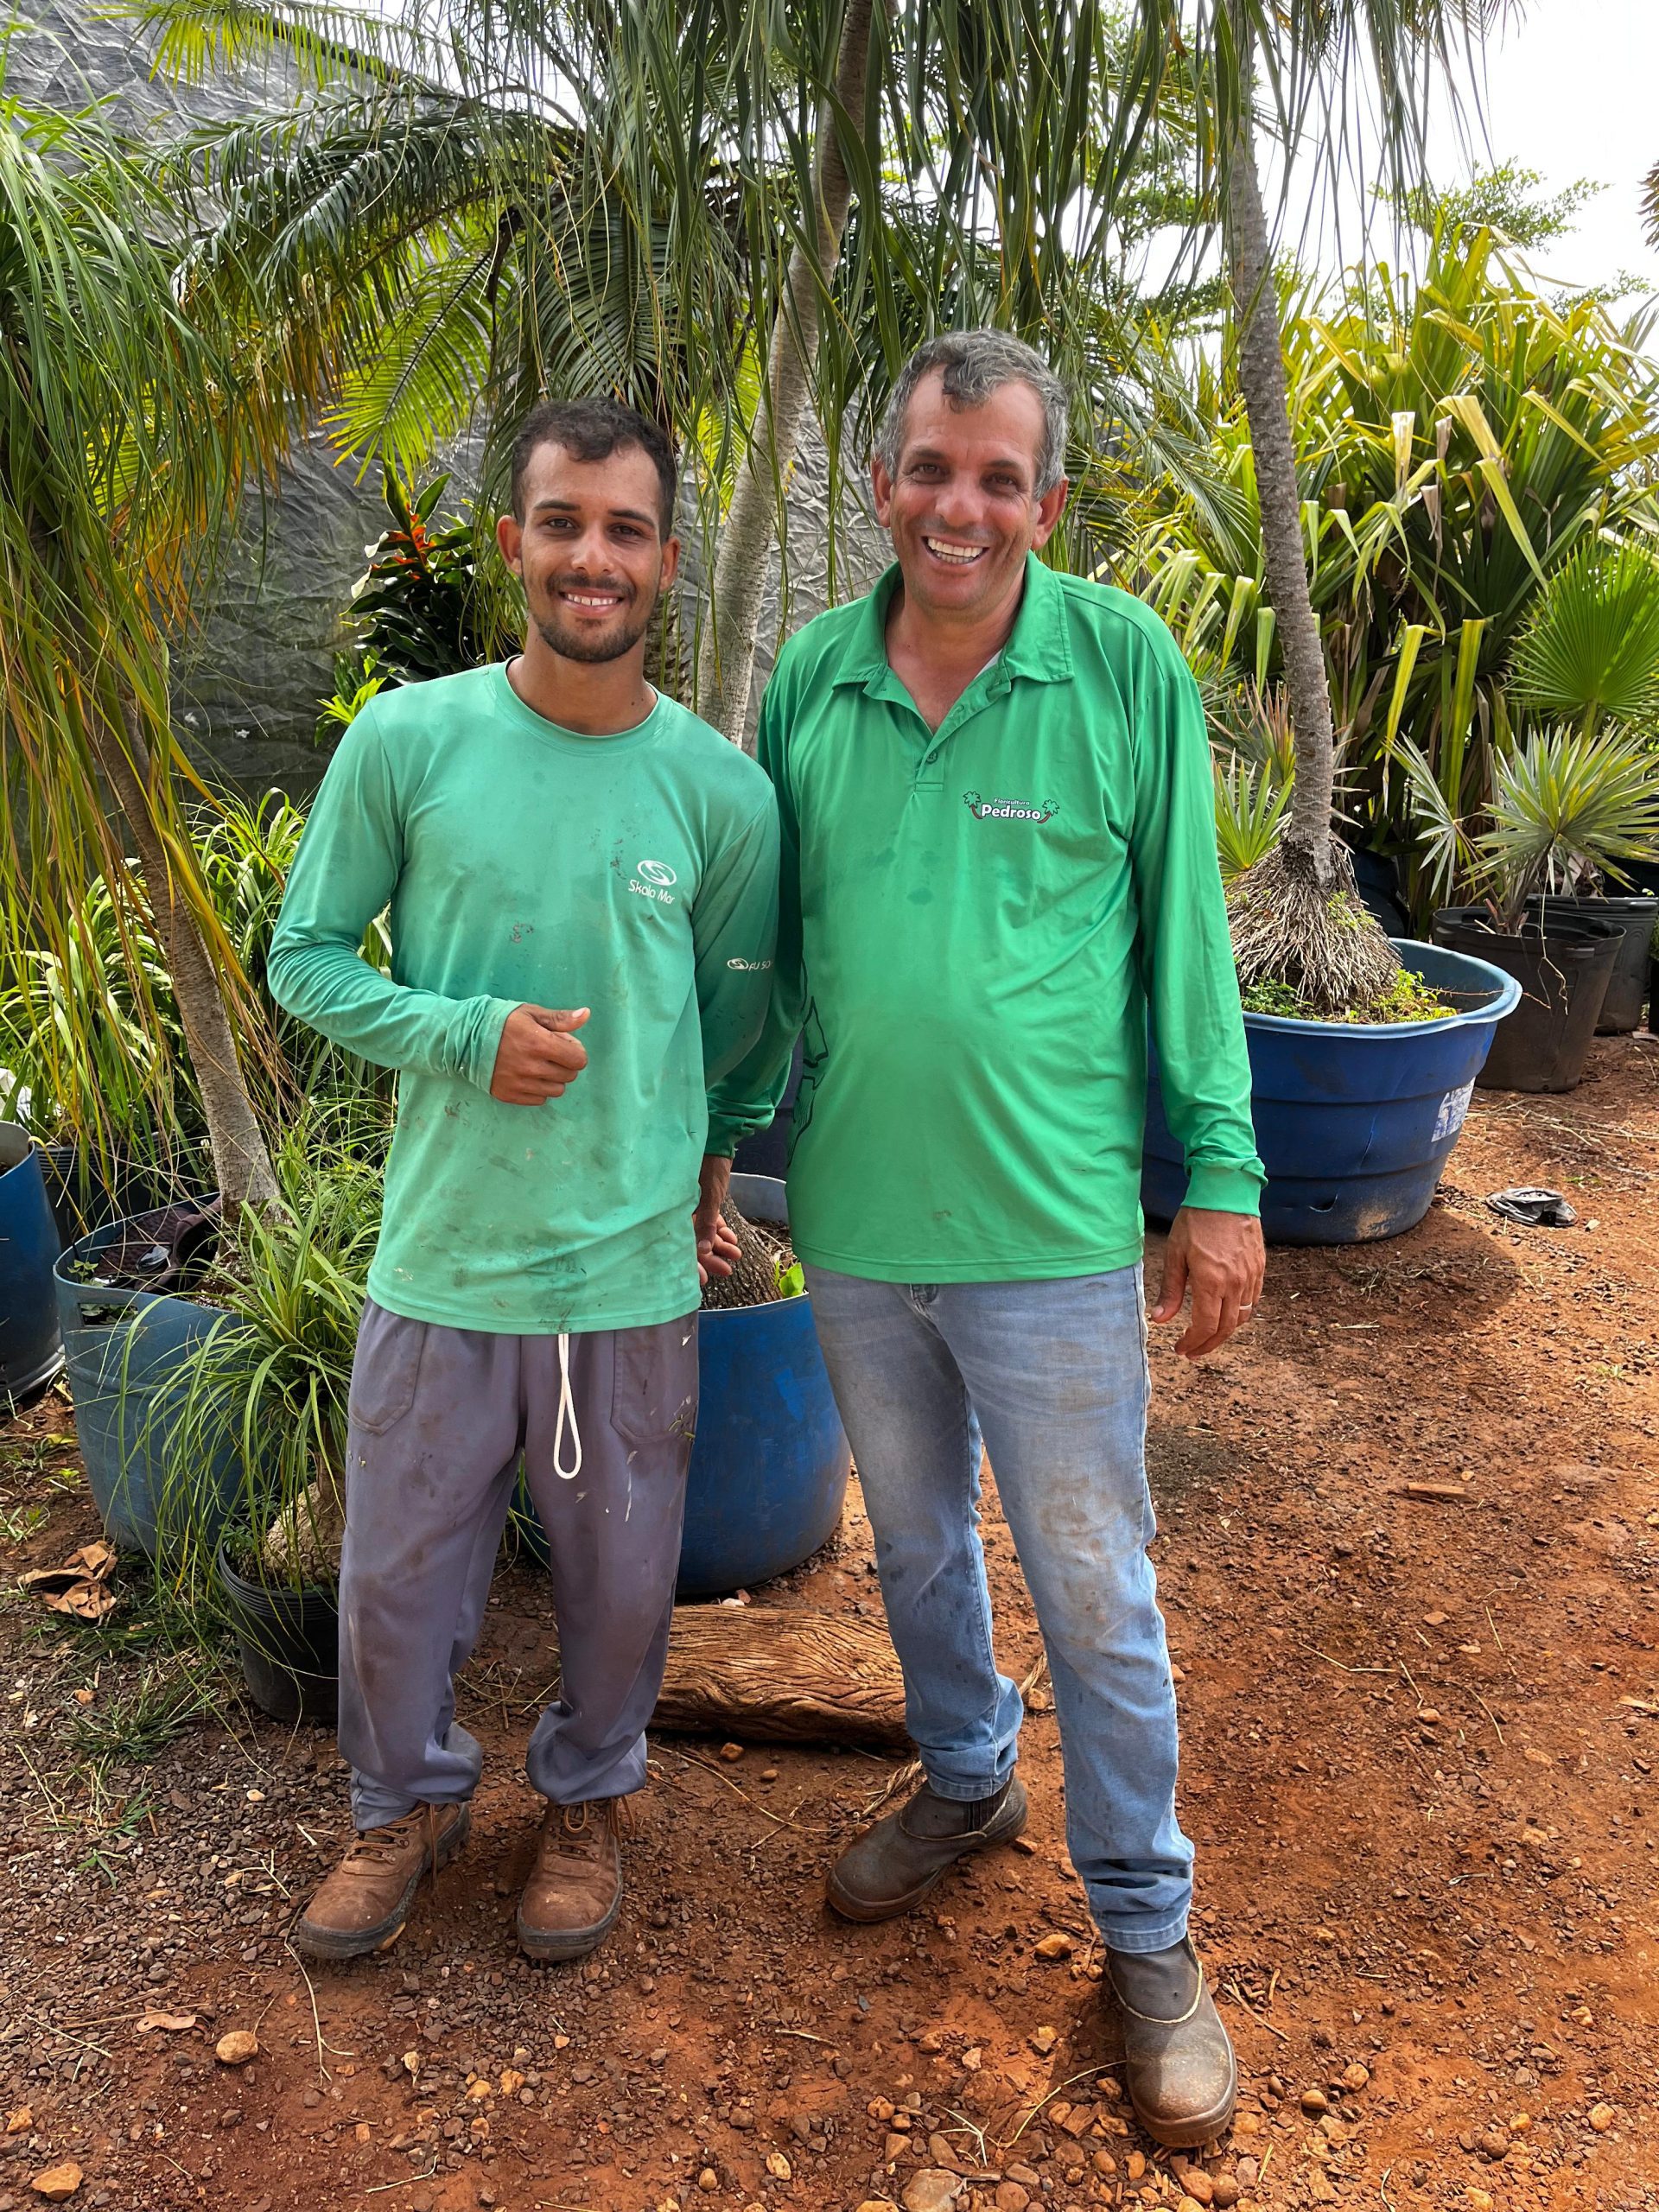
[31, 1349]
[1354, 1122]
[769, 1462]
[124, 1350]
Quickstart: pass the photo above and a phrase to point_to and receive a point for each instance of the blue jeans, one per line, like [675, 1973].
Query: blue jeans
[1053, 1377]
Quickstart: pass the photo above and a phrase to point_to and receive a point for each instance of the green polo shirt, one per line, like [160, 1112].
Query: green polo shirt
[976, 922]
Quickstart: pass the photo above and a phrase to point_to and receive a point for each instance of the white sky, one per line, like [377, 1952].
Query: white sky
[1569, 89]
[1572, 90]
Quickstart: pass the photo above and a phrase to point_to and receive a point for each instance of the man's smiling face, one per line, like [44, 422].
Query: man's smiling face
[962, 510]
[590, 549]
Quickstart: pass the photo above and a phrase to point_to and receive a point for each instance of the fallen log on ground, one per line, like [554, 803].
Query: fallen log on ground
[782, 1676]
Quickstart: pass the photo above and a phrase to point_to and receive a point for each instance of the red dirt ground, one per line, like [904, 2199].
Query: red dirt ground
[1418, 1747]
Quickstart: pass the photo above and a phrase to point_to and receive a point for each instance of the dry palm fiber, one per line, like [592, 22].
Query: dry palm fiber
[1290, 927]
[764, 1255]
[784, 1677]
[304, 1541]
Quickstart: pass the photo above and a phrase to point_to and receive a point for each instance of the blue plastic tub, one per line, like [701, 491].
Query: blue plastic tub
[124, 1350]
[769, 1462]
[1354, 1122]
[31, 1349]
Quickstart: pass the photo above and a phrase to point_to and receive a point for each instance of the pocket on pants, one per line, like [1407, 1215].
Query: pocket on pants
[654, 1381]
[386, 1370]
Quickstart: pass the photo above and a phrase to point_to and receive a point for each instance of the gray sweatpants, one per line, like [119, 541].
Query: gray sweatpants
[438, 1420]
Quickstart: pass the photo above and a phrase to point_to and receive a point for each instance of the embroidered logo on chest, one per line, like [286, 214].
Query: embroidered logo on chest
[1006, 809]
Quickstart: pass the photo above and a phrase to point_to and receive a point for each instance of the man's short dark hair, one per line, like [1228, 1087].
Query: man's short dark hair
[593, 430]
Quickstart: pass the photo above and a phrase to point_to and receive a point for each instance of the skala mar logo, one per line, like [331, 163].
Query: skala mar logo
[657, 876]
[1006, 809]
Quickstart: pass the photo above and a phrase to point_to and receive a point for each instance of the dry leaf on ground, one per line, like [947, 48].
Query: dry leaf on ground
[79, 1587]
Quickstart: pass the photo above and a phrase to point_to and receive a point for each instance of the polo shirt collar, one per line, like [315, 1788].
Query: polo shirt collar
[1037, 647]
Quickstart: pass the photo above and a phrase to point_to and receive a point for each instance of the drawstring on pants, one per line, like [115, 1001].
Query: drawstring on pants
[567, 1411]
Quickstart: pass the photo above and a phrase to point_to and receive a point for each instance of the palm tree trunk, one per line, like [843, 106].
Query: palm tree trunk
[1296, 916]
[1261, 367]
[726, 661]
[241, 1162]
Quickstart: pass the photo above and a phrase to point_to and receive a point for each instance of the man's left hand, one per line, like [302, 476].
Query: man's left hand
[1220, 1257]
[718, 1251]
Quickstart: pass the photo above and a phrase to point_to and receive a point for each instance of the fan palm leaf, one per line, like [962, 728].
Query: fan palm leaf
[1590, 650]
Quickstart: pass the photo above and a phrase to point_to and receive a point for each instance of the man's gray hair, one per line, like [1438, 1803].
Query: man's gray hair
[975, 363]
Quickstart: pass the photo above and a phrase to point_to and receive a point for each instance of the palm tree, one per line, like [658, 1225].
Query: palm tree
[734, 221]
[484, 201]
[1296, 917]
[124, 441]
[725, 663]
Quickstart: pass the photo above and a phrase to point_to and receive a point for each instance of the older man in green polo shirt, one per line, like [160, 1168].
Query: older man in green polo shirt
[999, 871]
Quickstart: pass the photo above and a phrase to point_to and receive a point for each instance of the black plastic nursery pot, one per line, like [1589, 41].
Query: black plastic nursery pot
[289, 1642]
[1563, 976]
[1627, 987]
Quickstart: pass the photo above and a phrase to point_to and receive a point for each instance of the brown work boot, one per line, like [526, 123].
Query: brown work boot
[1182, 2077]
[892, 1866]
[574, 1890]
[363, 1904]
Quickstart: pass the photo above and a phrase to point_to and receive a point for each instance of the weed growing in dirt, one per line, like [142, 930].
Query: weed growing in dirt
[131, 1724]
[135, 1723]
[18, 1526]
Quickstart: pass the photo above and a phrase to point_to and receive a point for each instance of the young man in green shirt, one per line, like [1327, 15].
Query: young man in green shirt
[582, 885]
[999, 864]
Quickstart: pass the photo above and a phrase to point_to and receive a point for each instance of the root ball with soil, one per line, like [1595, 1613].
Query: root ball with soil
[1300, 921]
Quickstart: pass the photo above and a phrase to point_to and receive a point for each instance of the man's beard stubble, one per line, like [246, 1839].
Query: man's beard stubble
[573, 646]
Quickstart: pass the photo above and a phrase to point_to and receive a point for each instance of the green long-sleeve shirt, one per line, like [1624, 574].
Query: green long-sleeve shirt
[974, 925]
[524, 863]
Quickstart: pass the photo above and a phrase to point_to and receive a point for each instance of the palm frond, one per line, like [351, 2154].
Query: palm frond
[1252, 806]
[431, 370]
[1590, 650]
[1567, 802]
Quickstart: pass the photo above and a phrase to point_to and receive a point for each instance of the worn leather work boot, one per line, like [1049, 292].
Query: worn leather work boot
[892, 1866]
[574, 1890]
[1182, 2077]
[363, 1904]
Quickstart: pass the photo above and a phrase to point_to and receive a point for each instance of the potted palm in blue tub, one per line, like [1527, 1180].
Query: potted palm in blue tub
[1356, 1109]
[1354, 1119]
[769, 1462]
